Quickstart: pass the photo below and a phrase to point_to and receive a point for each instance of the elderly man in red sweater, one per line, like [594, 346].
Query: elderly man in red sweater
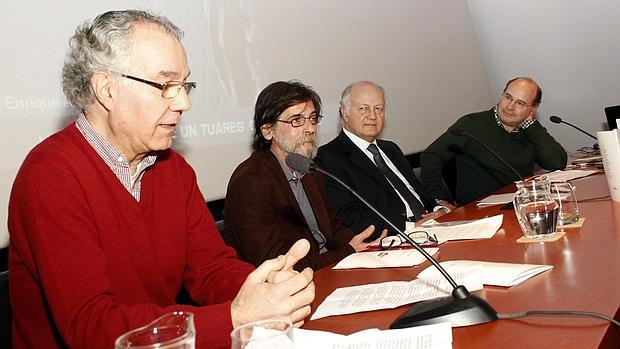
[108, 224]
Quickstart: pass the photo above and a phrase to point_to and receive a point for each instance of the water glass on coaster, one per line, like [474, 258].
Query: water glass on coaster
[273, 334]
[564, 194]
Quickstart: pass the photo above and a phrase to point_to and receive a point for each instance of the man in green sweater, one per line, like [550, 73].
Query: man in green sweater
[510, 129]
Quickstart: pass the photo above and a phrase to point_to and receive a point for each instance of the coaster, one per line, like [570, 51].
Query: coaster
[577, 224]
[554, 237]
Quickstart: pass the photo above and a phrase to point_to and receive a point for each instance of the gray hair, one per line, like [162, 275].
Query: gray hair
[346, 93]
[99, 46]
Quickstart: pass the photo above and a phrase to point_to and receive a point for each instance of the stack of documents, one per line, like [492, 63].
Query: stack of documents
[429, 284]
[492, 273]
[384, 259]
[484, 228]
[435, 336]
[391, 294]
[556, 176]
[497, 199]
[568, 175]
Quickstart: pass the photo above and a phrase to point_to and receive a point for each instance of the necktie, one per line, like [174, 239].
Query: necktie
[414, 204]
[306, 210]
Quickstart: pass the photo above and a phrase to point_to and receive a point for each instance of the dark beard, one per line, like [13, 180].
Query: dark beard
[297, 146]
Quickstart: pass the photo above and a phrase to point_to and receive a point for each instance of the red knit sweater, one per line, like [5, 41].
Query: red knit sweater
[88, 262]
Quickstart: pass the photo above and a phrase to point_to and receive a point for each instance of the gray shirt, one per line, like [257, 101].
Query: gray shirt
[294, 180]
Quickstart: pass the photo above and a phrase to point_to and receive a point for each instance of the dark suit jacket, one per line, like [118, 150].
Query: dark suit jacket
[344, 159]
[263, 219]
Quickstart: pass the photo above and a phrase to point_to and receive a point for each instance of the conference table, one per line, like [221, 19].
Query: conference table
[585, 277]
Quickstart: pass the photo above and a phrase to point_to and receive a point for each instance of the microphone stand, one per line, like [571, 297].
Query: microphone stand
[558, 120]
[463, 133]
[460, 309]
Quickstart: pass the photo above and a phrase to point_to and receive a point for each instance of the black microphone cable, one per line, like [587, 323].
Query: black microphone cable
[556, 313]
[459, 132]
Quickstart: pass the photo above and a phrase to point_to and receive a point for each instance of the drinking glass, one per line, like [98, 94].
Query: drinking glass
[276, 334]
[171, 331]
[564, 194]
[536, 211]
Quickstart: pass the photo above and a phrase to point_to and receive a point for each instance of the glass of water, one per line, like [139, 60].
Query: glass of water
[275, 334]
[171, 331]
[564, 194]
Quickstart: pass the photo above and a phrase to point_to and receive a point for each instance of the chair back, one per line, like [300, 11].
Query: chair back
[6, 317]
[220, 225]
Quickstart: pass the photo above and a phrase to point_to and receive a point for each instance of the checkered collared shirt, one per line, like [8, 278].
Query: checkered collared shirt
[115, 159]
[525, 124]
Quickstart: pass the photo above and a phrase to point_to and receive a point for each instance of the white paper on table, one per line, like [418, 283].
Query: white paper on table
[266, 338]
[435, 336]
[492, 273]
[568, 175]
[587, 159]
[384, 259]
[496, 199]
[392, 294]
[484, 228]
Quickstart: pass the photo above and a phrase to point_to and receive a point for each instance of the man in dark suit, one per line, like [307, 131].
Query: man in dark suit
[375, 168]
[270, 206]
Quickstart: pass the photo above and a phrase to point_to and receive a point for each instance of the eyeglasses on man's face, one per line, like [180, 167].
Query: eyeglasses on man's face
[169, 89]
[422, 238]
[519, 104]
[300, 120]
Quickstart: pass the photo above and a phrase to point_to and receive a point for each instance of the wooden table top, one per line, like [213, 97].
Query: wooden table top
[585, 276]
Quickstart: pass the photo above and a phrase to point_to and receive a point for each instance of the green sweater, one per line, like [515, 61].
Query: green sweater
[479, 173]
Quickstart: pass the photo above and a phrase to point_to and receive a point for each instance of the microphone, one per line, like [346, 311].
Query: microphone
[461, 309]
[459, 132]
[558, 120]
[300, 163]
